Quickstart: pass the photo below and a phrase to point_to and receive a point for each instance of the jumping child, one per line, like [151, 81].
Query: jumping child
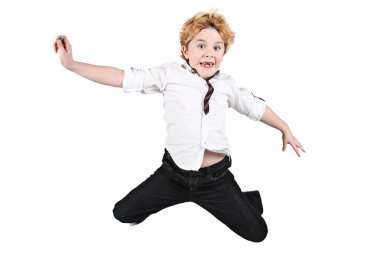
[197, 157]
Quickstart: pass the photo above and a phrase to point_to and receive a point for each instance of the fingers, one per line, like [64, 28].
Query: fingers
[55, 46]
[296, 149]
[63, 37]
[61, 41]
[296, 145]
[61, 44]
[300, 146]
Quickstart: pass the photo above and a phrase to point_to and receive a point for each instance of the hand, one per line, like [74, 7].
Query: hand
[64, 50]
[288, 138]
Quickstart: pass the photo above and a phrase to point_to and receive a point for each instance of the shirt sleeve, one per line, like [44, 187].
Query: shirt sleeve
[244, 102]
[146, 81]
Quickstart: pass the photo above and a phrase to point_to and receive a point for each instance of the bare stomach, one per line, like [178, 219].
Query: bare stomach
[209, 158]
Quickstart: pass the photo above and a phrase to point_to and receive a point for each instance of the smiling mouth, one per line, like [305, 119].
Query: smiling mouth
[207, 64]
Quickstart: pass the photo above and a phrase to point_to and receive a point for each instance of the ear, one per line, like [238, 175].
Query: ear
[185, 52]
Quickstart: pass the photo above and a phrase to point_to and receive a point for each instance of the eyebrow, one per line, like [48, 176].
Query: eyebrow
[200, 40]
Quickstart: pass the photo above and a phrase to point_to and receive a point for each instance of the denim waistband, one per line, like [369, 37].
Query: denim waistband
[216, 168]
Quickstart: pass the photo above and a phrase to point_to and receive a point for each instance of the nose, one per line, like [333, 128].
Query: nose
[209, 53]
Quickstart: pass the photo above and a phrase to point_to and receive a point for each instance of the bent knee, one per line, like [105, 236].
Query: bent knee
[255, 231]
[121, 214]
[258, 235]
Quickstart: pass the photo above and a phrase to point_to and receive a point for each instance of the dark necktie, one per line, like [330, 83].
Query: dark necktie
[206, 107]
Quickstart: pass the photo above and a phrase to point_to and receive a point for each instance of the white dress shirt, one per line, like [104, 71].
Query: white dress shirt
[189, 130]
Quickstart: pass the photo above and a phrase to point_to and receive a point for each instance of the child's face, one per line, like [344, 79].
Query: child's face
[205, 52]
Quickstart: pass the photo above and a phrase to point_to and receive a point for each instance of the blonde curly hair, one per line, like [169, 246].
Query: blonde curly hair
[203, 20]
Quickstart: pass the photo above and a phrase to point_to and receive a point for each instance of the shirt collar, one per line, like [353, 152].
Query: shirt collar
[186, 66]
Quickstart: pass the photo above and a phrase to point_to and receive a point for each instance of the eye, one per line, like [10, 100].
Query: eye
[217, 48]
[201, 46]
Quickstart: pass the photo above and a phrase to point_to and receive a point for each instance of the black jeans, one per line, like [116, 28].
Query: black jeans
[213, 188]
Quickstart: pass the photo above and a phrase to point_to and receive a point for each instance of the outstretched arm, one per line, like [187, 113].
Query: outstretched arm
[101, 74]
[271, 119]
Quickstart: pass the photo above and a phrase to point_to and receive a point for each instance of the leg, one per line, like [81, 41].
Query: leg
[255, 199]
[154, 194]
[225, 200]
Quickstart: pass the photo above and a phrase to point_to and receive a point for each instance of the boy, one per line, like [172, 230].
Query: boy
[195, 165]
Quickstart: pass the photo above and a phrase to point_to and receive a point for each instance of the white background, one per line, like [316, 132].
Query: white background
[70, 148]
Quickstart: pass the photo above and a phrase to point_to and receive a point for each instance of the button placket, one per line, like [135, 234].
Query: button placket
[204, 135]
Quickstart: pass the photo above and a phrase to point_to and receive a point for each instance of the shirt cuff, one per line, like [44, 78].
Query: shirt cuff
[258, 110]
[132, 81]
